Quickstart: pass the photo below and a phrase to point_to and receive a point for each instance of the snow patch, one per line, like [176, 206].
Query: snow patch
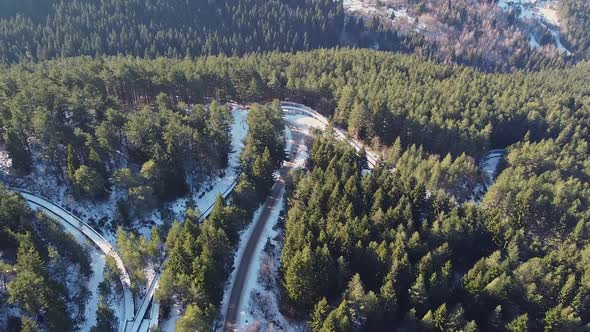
[247, 313]
[169, 325]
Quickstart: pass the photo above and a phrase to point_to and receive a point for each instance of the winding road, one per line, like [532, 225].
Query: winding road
[278, 189]
[288, 107]
[134, 321]
[138, 323]
[243, 269]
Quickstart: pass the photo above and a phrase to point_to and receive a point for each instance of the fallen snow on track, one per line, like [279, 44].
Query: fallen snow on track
[75, 226]
[220, 186]
[98, 263]
[258, 308]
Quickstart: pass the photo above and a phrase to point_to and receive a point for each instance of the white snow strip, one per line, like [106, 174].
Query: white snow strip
[69, 221]
[98, 263]
[244, 311]
[220, 186]
[244, 236]
[293, 108]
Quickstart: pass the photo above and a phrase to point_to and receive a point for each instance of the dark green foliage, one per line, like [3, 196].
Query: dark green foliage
[200, 259]
[410, 254]
[136, 252]
[106, 321]
[474, 111]
[28, 325]
[18, 152]
[15, 213]
[415, 244]
[264, 149]
[72, 162]
[64, 243]
[51, 28]
[200, 254]
[34, 292]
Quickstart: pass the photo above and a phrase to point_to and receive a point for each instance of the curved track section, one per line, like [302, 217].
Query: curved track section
[66, 218]
[372, 158]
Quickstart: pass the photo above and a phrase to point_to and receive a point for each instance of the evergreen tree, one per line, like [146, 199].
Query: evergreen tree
[320, 312]
[300, 279]
[519, 324]
[72, 162]
[18, 152]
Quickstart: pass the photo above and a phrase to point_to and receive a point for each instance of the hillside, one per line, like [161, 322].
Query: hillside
[428, 239]
[177, 28]
[492, 35]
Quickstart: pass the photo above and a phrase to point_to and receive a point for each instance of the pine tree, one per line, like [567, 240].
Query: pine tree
[356, 297]
[18, 152]
[153, 248]
[72, 162]
[358, 122]
[388, 298]
[441, 317]
[106, 320]
[88, 182]
[320, 312]
[262, 173]
[428, 320]
[29, 289]
[28, 325]
[419, 294]
[300, 281]
[193, 319]
[338, 320]
[456, 319]
[519, 324]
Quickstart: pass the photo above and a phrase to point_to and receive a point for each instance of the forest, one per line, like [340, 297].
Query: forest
[577, 19]
[39, 30]
[43, 270]
[201, 253]
[377, 96]
[476, 34]
[405, 245]
[367, 251]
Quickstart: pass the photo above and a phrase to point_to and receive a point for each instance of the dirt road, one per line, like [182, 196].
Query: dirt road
[270, 203]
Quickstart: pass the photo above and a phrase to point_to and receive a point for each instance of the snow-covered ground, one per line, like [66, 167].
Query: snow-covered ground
[259, 307]
[244, 236]
[489, 165]
[544, 12]
[99, 214]
[217, 186]
[98, 259]
[298, 117]
[169, 324]
[319, 121]
[250, 312]
[72, 224]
